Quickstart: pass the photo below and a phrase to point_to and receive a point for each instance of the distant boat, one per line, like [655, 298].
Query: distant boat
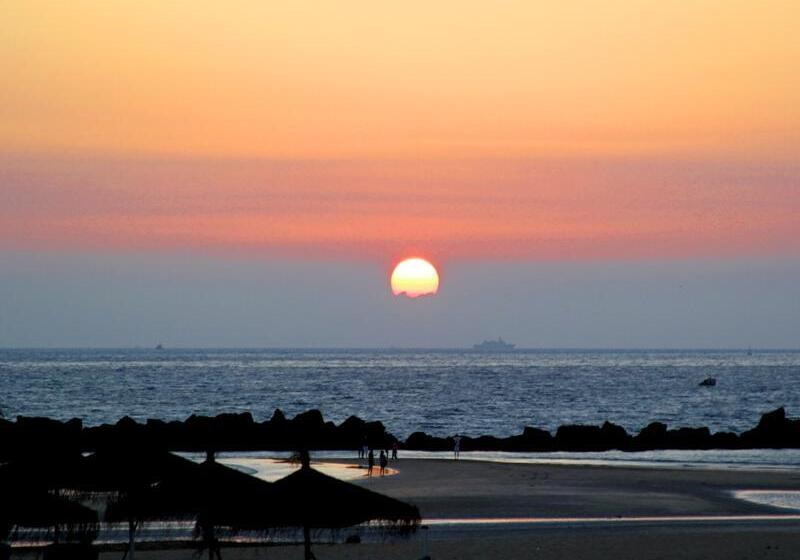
[708, 382]
[159, 346]
[498, 345]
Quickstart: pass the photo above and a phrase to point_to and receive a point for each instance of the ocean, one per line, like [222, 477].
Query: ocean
[438, 391]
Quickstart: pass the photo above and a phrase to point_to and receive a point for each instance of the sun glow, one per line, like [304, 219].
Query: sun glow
[415, 277]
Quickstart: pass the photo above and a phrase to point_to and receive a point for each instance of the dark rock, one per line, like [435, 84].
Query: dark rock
[377, 436]
[34, 436]
[423, 442]
[531, 439]
[307, 423]
[351, 433]
[773, 430]
[309, 419]
[579, 438]
[772, 421]
[652, 436]
[614, 436]
[7, 431]
[591, 438]
[484, 443]
[725, 440]
[309, 430]
[224, 432]
[278, 417]
[689, 438]
[200, 434]
[125, 434]
[353, 425]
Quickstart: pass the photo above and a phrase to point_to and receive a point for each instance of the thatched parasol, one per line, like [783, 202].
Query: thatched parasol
[31, 499]
[41, 510]
[312, 500]
[118, 471]
[214, 495]
[125, 474]
[53, 473]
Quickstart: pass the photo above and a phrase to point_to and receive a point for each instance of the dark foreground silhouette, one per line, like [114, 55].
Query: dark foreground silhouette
[309, 430]
[140, 486]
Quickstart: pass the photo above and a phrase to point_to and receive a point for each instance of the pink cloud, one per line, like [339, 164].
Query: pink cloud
[449, 209]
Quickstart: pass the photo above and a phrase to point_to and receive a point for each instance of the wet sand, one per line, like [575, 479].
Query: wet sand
[556, 500]
[446, 489]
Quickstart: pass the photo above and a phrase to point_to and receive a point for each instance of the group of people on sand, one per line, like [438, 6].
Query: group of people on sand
[366, 452]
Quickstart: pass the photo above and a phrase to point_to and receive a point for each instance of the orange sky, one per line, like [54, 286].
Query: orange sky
[386, 209]
[608, 129]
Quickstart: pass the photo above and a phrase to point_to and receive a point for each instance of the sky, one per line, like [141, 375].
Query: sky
[583, 174]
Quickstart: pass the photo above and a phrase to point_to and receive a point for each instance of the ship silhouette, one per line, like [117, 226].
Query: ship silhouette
[498, 345]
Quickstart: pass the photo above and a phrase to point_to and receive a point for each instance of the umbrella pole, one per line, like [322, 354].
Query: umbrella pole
[57, 532]
[131, 538]
[307, 543]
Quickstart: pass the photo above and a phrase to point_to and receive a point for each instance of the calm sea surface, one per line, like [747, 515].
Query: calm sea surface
[440, 392]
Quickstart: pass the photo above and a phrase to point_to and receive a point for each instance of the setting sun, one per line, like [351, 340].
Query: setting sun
[415, 277]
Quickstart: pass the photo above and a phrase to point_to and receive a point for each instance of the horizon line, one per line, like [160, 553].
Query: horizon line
[421, 348]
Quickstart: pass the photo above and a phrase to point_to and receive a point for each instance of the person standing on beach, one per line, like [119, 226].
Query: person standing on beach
[370, 462]
[364, 449]
[456, 446]
[394, 451]
[384, 461]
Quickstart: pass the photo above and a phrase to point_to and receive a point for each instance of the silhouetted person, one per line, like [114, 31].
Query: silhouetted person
[394, 451]
[305, 459]
[365, 449]
[370, 462]
[210, 540]
[384, 460]
[362, 449]
[456, 446]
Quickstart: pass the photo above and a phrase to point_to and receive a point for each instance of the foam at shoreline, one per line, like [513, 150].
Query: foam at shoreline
[784, 499]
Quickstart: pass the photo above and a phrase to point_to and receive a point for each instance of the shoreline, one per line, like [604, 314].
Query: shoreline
[768, 460]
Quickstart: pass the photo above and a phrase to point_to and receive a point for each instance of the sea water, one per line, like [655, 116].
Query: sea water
[438, 391]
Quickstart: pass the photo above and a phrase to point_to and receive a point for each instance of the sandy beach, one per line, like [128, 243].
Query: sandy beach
[477, 509]
[474, 489]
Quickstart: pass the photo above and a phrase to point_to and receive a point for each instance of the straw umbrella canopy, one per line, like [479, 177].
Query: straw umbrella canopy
[312, 500]
[37, 509]
[214, 495]
[125, 474]
[31, 498]
[45, 474]
[118, 471]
